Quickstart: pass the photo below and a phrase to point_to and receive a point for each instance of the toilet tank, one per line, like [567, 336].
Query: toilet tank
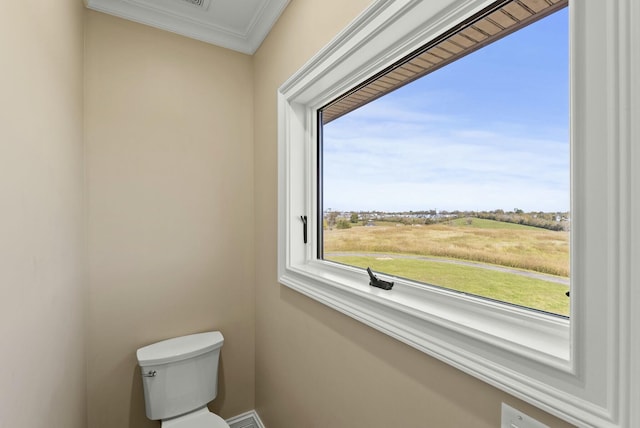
[180, 375]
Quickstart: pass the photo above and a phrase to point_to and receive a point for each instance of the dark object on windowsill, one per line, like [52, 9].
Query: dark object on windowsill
[567, 293]
[380, 283]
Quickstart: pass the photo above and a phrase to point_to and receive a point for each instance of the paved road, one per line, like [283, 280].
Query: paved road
[529, 274]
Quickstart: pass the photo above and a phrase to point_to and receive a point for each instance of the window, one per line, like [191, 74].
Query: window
[584, 371]
[423, 165]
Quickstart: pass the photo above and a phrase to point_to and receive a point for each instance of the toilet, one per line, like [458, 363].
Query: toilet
[180, 376]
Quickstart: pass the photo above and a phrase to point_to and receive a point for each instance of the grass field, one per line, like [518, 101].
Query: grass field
[479, 240]
[486, 241]
[518, 290]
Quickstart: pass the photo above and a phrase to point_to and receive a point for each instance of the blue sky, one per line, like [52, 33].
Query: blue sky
[489, 131]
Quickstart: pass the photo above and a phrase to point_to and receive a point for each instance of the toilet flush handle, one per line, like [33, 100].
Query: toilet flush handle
[150, 373]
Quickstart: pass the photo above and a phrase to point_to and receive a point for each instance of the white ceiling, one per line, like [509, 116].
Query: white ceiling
[240, 25]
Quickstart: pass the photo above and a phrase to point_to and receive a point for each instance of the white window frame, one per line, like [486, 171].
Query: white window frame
[585, 371]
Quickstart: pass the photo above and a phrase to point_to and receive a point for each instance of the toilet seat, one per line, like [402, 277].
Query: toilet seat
[201, 418]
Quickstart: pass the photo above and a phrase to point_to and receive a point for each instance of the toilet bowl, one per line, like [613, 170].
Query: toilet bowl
[179, 377]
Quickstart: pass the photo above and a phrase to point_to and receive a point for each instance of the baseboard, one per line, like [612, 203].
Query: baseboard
[249, 419]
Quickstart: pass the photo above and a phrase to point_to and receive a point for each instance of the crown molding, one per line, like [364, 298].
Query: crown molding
[240, 26]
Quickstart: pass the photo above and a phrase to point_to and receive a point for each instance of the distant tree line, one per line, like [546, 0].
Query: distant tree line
[548, 221]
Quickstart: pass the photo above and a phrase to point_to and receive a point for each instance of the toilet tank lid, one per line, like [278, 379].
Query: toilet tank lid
[179, 348]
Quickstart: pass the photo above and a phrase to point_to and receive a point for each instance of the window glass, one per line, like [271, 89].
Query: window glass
[460, 179]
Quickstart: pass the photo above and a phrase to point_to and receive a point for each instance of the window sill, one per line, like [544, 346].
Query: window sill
[545, 339]
[512, 349]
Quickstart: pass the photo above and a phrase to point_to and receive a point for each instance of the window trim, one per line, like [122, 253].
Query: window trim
[574, 376]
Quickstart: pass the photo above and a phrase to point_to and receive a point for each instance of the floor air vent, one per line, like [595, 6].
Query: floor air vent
[198, 3]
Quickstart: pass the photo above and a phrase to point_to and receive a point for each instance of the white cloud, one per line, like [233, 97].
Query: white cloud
[415, 165]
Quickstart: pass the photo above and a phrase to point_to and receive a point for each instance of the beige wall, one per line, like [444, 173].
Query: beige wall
[42, 297]
[314, 366]
[169, 131]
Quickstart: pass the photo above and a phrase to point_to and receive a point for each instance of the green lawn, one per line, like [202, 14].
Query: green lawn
[502, 286]
[481, 223]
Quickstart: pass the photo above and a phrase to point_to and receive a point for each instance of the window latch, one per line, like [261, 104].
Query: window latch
[380, 283]
[304, 227]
